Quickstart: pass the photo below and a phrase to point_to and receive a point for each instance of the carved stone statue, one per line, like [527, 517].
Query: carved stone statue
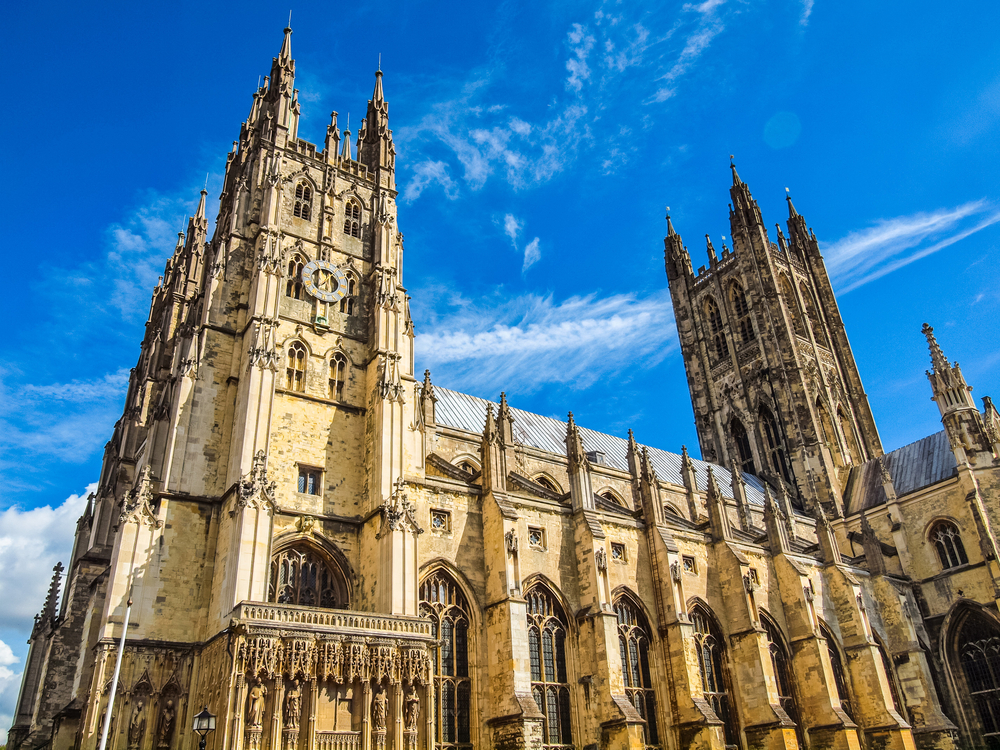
[412, 709]
[165, 732]
[380, 710]
[293, 706]
[136, 726]
[255, 711]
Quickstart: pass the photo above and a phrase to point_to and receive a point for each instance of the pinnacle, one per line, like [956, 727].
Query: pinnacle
[939, 361]
[200, 213]
[792, 213]
[732, 166]
[286, 46]
[670, 226]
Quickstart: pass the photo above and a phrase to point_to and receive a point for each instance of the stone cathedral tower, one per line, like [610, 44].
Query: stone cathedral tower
[329, 554]
[773, 382]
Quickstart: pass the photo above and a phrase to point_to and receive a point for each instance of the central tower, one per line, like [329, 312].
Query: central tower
[774, 386]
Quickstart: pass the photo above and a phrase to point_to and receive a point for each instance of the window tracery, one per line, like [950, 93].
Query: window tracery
[547, 650]
[742, 441]
[775, 448]
[293, 287]
[295, 368]
[714, 679]
[819, 330]
[633, 642]
[347, 301]
[352, 218]
[781, 664]
[443, 602]
[715, 328]
[338, 375]
[303, 201]
[948, 543]
[742, 310]
[793, 309]
[978, 646]
[839, 677]
[300, 575]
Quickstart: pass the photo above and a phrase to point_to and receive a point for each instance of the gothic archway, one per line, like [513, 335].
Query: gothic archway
[304, 574]
[974, 657]
[714, 674]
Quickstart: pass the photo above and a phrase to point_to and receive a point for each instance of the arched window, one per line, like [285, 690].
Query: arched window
[633, 642]
[715, 328]
[352, 218]
[853, 450]
[347, 301]
[611, 497]
[782, 668]
[978, 646]
[948, 542]
[742, 311]
[338, 375]
[714, 679]
[790, 304]
[819, 330]
[303, 201]
[890, 676]
[742, 441]
[293, 287]
[301, 575]
[827, 433]
[295, 369]
[839, 677]
[775, 448]
[443, 602]
[546, 483]
[547, 650]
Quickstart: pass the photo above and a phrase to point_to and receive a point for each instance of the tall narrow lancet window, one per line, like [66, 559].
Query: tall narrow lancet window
[839, 676]
[742, 312]
[295, 368]
[827, 433]
[788, 296]
[742, 442]
[302, 576]
[547, 651]
[853, 450]
[714, 679]
[293, 287]
[352, 218]
[634, 641]
[978, 645]
[948, 543]
[775, 448]
[715, 328]
[303, 201]
[338, 375]
[782, 668]
[443, 602]
[347, 301]
[819, 330]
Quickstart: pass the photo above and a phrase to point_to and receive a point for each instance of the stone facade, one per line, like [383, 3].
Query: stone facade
[331, 554]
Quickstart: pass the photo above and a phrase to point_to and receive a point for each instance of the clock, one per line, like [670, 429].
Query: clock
[324, 281]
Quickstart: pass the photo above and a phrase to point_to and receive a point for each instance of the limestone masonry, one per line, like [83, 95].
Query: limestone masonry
[332, 554]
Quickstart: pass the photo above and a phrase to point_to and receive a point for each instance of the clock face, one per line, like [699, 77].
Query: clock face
[324, 281]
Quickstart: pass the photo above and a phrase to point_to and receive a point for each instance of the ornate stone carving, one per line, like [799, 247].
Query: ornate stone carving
[412, 711]
[137, 726]
[263, 350]
[390, 382]
[138, 507]
[293, 706]
[510, 538]
[380, 710]
[165, 729]
[255, 706]
[601, 559]
[398, 513]
[253, 489]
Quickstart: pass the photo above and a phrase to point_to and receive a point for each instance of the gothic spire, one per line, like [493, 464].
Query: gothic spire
[286, 46]
[670, 226]
[199, 214]
[732, 166]
[792, 213]
[938, 360]
[745, 211]
[375, 146]
[712, 257]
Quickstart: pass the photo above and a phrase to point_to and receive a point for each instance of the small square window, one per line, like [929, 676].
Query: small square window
[689, 565]
[618, 551]
[536, 537]
[440, 520]
[310, 481]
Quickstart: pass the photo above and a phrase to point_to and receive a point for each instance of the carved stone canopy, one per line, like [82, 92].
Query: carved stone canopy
[253, 489]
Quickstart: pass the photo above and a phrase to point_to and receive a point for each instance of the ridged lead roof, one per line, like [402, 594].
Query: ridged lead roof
[464, 412]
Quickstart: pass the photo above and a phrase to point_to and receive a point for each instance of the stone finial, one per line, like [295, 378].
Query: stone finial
[712, 257]
[52, 598]
[938, 360]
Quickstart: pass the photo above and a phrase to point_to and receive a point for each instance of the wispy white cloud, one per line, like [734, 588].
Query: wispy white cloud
[110, 386]
[427, 173]
[709, 25]
[512, 227]
[581, 42]
[10, 684]
[533, 340]
[807, 9]
[532, 254]
[869, 254]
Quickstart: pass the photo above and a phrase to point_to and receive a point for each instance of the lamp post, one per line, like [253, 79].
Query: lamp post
[203, 724]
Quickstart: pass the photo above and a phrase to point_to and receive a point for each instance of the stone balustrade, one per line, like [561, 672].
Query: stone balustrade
[338, 740]
[333, 620]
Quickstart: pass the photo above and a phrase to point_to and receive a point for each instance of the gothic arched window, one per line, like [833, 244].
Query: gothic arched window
[819, 330]
[611, 497]
[742, 441]
[352, 218]
[301, 575]
[978, 646]
[828, 434]
[293, 287]
[347, 301]
[715, 328]
[303, 201]
[546, 483]
[714, 679]
[742, 310]
[295, 367]
[853, 449]
[633, 642]
[839, 677]
[948, 542]
[775, 448]
[443, 602]
[338, 375]
[793, 309]
[782, 668]
[547, 650]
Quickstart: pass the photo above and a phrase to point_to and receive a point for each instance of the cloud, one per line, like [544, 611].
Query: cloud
[532, 254]
[891, 244]
[581, 42]
[10, 684]
[709, 25]
[531, 341]
[807, 9]
[110, 386]
[511, 227]
[427, 173]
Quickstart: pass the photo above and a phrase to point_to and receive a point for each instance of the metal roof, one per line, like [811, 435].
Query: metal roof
[912, 467]
[464, 412]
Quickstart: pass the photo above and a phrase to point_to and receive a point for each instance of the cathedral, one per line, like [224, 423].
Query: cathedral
[327, 551]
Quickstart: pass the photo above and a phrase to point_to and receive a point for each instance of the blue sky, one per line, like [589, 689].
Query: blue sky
[538, 145]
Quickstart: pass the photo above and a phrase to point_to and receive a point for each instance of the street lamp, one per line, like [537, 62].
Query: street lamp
[203, 724]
